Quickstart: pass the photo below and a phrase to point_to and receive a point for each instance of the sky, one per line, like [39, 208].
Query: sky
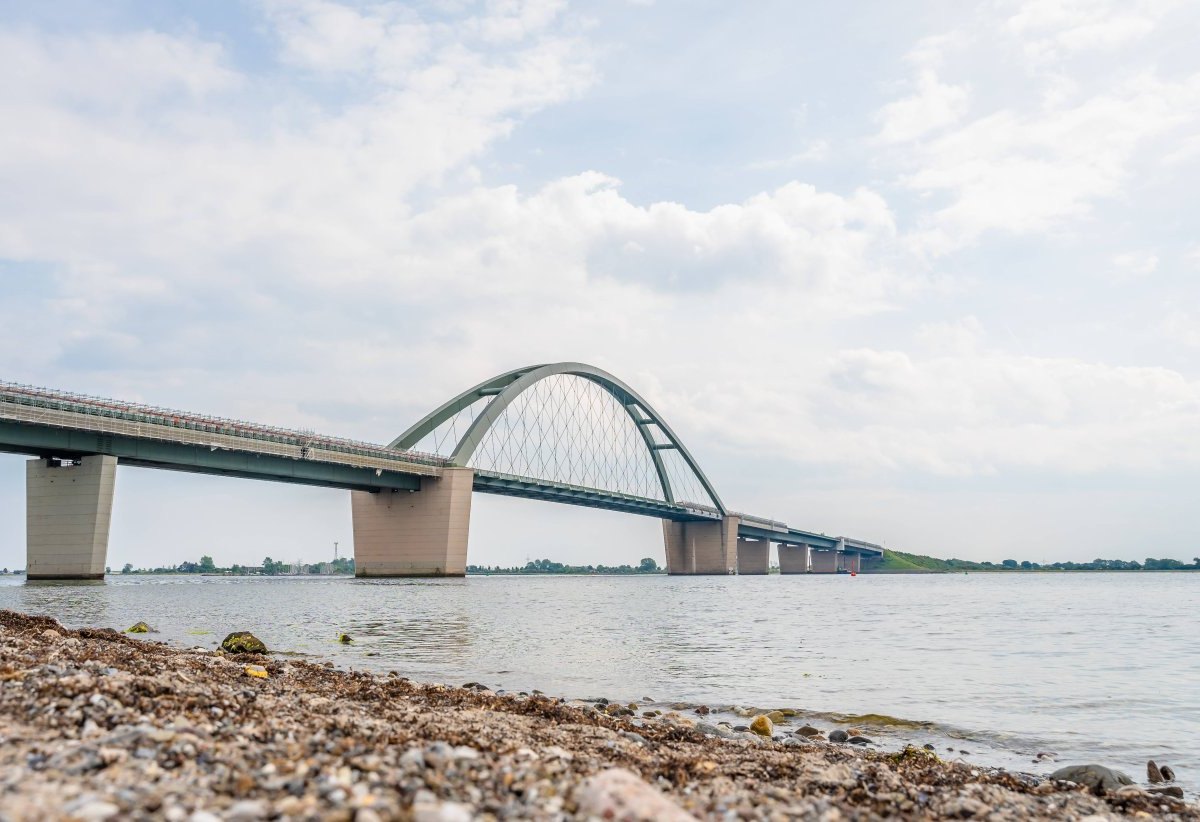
[926, 274]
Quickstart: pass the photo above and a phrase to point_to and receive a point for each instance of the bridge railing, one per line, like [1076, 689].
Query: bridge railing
[32, 404]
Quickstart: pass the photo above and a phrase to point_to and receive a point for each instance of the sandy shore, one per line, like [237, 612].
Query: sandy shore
[96, 725]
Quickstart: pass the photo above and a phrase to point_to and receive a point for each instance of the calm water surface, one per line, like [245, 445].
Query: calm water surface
[1092, 667]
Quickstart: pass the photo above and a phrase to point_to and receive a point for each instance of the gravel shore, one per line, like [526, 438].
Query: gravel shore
[95, 725]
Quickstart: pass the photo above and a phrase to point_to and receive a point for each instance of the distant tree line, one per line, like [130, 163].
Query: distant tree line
[1151, 564]
[545, 566]
[899, 561]
[268, 568]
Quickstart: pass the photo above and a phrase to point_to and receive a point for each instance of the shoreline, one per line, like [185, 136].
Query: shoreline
[98, 725]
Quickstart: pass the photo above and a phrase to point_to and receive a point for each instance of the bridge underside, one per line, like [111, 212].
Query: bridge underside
[49, 441]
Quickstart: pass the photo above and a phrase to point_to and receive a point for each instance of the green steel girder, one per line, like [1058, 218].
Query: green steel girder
[49, 441]
[505, 388]
[490, 483]
[791, 536]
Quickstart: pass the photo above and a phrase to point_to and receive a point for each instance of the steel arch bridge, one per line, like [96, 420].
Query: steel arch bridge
[563, 432]
[608, 448]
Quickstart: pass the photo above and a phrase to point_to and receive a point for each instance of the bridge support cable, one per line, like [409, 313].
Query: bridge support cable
[567, 424]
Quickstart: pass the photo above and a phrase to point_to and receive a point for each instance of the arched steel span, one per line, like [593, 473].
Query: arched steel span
[508, 386]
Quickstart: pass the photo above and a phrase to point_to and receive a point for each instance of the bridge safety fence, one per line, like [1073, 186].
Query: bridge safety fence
[60, 409]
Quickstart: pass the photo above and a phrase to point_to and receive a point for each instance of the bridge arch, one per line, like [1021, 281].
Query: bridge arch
[506, 388]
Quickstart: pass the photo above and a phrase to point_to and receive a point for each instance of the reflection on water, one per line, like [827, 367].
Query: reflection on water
[1092, 666]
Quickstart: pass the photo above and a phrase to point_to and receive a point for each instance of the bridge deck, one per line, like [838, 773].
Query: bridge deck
[48, 423]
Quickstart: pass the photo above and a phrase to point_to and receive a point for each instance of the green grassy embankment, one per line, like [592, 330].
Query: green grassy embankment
[898, 562]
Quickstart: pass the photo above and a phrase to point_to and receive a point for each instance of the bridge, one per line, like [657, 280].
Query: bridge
[564, 432]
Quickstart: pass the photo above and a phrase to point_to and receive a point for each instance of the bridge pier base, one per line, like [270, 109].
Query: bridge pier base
[753, 556]
[793, 559]
[68, 510]
[825, 562]
[701, 547]
[414, 534]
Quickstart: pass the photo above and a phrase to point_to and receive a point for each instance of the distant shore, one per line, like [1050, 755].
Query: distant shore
[99, 725]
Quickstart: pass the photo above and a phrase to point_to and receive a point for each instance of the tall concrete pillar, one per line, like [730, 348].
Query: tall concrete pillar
[793, 559]
[852, 562]
[825, 562]
[414, 533]
[701, 547]
[753, 556]
[68, 510]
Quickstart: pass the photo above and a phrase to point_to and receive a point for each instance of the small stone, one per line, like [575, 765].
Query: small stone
[1153, 774]
[964, 807]
[837, 776]
[703, 710]
[619, 794]
[1167, 773]
[808, 730]
[1096, 777]
[1168, 790]
[140, 628]
[441, 812]
[776, 716]
[859, 740]
[762, 726]
[838, 736]
[345, 639]
[248, 810]
[243, 642]
[256, 671]
[95, 811]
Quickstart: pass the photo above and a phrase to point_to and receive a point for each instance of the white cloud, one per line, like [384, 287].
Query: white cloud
[814, 152]
[961, 336]
[1181, 327]
[970, 414]
[1052, 29]
[1051, 136]
[1133, 265]
[932, 106]
[1029, 172]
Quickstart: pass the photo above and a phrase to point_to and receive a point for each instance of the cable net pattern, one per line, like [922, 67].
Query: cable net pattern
[570, 430]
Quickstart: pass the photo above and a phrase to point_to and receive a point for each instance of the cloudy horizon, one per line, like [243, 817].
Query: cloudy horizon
[923, 275]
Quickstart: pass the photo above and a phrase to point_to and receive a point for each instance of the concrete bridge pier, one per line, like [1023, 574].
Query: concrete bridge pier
[695, 547]
[793, 559]
[414, 533]
[753, 556]
[68, 510]
[852, 562]
[825, 562]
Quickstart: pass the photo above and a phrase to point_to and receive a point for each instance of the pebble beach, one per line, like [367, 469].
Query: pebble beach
[99, 725]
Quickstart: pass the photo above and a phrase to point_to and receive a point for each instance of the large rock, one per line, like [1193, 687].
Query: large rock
[838, 736]
[1153, 774]
[1096, 777]
[243, 642]
[619, 794]
[762, 726]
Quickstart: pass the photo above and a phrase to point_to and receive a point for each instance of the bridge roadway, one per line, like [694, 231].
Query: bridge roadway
[62, 428]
